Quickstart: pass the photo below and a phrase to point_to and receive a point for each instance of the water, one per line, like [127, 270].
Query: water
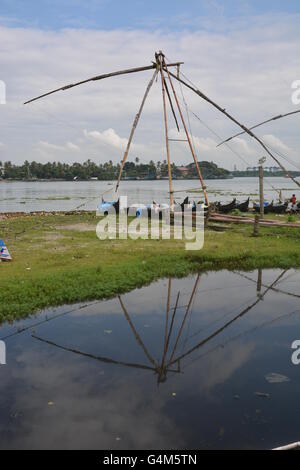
[91, 376]
[65, 196]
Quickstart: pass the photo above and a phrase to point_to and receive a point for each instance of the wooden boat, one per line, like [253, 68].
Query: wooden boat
[243, 206]
[202, 205]
[226, 208]
[279, 208]
[181, 207]
[267, 207]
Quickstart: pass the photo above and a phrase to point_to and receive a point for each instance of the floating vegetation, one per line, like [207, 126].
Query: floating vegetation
[54, 198]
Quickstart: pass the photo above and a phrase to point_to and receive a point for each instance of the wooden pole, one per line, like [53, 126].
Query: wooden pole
[160, 58]
[280, 116]
[261, 191]
[259, 282]
[256, 226]
[171, 106]
[134, 126]
[188, 137]
[167, 315]
[101, 77]
[136, 335]
[185, 317]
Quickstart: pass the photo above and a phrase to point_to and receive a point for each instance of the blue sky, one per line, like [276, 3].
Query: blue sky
[134, 14]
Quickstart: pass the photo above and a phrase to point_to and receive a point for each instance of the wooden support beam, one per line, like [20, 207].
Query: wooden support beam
[184, 319]
[134, 126]
[279, 116]
[171, 191]
[188, 138]
[261, 191]
[171, 106]
[101, 77]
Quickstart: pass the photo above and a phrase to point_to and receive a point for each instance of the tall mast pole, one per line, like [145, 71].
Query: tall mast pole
[159, 58]
[187, 135]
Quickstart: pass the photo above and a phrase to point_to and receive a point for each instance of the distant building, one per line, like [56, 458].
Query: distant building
[272, 169]
[268, 169]
[184, 171]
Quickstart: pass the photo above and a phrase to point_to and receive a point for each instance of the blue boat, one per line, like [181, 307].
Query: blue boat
[108, 207]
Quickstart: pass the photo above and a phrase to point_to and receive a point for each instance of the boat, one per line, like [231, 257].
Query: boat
[267, 207]
[226, 208]
[279, 208]
[106, 207]
[243, 206]
[183, 206]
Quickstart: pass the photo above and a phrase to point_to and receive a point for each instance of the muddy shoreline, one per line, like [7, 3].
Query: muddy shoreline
[15, 215]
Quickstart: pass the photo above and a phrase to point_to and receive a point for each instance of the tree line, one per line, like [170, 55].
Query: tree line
[105, 171]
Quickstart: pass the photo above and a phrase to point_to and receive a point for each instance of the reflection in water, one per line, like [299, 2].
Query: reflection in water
[215, 337]
[164, 366]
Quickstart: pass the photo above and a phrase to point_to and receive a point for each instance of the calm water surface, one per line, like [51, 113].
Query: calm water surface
[26, 197]
[107, 376]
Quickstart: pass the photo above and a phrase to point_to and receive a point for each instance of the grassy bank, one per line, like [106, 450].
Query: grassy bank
[58, 259]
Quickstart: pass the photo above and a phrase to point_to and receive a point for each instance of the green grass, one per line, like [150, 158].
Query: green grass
[54, 262]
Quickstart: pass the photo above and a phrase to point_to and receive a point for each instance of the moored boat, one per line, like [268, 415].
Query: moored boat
[226, 208]
[243, 206]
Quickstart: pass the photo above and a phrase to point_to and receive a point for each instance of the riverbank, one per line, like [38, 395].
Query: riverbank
[58, 259]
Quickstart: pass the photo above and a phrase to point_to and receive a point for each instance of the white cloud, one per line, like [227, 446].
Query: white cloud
[276, 143]
[108, 137]
[72, 146]
[50, 150]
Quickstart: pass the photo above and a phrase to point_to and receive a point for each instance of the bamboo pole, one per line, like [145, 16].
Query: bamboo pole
[261, 191]
[171, 106]
[184, 319]
[259, 282]
[160, 58]
[245, 129]
[134, 126]
[167, 316]
[104, 359]
[280, 116]
[136, 335]
[162, 372]
[101, 77]
[188, 138]
[172, 321]
[256, 226]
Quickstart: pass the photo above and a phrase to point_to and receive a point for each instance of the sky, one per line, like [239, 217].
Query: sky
[244, 55]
